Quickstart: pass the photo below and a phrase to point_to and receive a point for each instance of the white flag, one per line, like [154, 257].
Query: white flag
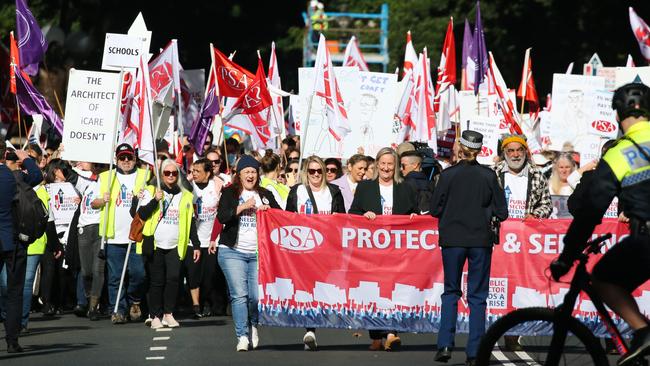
[353, 55]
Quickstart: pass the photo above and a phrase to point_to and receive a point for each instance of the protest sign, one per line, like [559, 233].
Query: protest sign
[139, 28]
[121, 50]
[625, 75]
[492, 128]
[575, 97]
[344, 289]
[595, 67]
[319, 141]
[91, 113]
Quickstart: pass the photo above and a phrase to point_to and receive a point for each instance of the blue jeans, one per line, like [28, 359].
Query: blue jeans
[240, 270]
[134, 283]
[478, 281]
[32, 265]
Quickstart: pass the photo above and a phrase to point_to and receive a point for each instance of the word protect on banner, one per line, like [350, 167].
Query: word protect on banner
[344, 271]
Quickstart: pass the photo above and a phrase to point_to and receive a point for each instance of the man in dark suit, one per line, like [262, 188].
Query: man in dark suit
[13, 254]
[467, 198]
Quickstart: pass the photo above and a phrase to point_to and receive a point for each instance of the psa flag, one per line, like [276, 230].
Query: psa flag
[232, 79]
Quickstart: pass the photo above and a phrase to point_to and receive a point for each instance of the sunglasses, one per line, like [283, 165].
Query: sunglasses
[314, 171]
[126, 158]
[215, 162]
[292, 170]
[332, 170]
[170, 173]
[162, 157]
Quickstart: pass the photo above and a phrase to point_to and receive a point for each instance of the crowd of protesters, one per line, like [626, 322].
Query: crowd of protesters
[198, 223]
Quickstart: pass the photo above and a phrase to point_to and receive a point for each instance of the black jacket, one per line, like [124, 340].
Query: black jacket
[367, 198]
[466, 198]
[423, 188]
[338, 204]
[227, 213]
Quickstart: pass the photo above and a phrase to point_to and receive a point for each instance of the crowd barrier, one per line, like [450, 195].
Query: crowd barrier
[344, 271]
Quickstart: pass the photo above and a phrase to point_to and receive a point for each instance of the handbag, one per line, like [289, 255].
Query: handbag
[135, 231]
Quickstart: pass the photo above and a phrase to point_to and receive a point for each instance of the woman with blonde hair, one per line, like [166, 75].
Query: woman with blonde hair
[384, 195]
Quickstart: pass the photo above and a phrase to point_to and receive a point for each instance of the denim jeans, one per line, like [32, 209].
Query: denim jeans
[134, 283]
[240, 270]
[32, 265]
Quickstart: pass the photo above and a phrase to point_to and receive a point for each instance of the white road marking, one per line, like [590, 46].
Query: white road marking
[164, 330]
[526, 358]
[496, 352]
[160, 338]
[155, 358]
[162, 348]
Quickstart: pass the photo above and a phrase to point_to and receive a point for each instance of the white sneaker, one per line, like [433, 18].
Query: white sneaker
[156, 323]
[310, 341]
[242, 344]
[147, 322]
[169, 321]
[255, 339]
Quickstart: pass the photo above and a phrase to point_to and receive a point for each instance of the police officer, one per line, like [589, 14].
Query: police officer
[466, 200]
[624, 171]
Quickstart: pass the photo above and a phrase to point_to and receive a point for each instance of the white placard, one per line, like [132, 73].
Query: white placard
[491, 128]
[91, 112]
[195, 81]
[574, 98]
[626, 75]
[139, 28]
[319, 141]
[121, 50]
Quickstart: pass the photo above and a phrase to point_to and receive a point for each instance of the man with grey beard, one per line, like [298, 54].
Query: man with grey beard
[526, 190]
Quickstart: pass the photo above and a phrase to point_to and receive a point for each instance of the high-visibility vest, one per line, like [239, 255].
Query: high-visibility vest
[282, 189]
[141, 178]
[319, 20]
[38, 246]
[185, 214]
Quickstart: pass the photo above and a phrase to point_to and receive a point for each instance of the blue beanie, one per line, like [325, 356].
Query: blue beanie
[247, 161]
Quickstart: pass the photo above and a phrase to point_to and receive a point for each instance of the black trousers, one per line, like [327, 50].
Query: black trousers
[165, 270]
[57, 287]
[16, 263]
[206, 276]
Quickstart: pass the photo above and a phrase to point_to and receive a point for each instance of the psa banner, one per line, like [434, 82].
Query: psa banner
[344, 271]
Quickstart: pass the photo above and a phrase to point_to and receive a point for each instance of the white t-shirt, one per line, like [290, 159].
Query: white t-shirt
[62, 206]
[515, 188]
[166, 234]
[386, 194]
[88, 215]
[126, 183]
[247, 236]
[353, 185]
[205, 208]
[323, 201]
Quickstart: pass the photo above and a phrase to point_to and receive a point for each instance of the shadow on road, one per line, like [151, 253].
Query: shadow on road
[50, 330]
[39, 350]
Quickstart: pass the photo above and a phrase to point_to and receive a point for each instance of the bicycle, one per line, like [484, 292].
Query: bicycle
[550, 343]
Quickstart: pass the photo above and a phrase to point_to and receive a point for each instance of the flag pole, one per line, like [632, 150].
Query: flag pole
[49, 84]
[303, 142]
[28, 134]
[20, 133]
[524, 78]
[221, 106]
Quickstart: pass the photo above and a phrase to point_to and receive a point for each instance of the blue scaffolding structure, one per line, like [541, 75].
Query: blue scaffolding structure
[373, 53]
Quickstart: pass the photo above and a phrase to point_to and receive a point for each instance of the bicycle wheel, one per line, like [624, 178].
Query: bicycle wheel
[581, 347]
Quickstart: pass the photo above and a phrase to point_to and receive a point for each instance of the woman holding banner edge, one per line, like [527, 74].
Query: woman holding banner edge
[384, 195]
[314, 196]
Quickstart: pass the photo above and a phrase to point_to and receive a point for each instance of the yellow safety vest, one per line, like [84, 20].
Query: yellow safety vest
[141, 178]
[185, 214]
[319, 20]
[282, 189]
[626, 161]
[38, 246]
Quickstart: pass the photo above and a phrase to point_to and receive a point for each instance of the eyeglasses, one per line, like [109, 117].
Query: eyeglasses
[215, 162]
[292, 170]
[314, 171]
[126, 158]
[170, 173]
[332, 170]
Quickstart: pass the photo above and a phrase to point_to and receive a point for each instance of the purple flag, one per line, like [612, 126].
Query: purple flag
[33, 102]
[200, 128]
[467, 43]
[479, 51]
[31, 42]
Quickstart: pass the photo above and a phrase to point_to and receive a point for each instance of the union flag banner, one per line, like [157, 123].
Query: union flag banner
[344, 271]
[232, 79]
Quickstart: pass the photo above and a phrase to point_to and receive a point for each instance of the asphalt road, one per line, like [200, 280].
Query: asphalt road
[68, 340]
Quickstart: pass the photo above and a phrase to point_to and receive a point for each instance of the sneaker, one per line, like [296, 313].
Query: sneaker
[197, 311]
[118, 318]
[169, 321]
[147, 322]
[93, 314]
[80, 310]
[309, 339]
[255, 338]
[48, 310]
[393, 342]
[156, 323]
[242, 344]
[639, 347]
[135, 313]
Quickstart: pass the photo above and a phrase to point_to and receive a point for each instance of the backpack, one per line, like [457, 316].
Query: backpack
[29, 213]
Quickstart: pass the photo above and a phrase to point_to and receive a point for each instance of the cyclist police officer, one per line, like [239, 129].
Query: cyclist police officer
[624, 171]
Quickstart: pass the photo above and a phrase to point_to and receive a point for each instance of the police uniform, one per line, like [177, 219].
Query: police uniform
[624, 171]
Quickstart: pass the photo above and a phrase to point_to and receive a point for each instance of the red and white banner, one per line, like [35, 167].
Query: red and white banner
[344, 271]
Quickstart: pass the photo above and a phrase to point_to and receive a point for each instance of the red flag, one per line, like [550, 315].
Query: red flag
[505, 103]
[231, 78]
[14, 61]
[527, 89]
[446, 79]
